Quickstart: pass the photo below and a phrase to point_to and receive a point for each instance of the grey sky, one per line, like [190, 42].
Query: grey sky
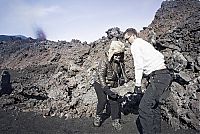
[86, 20]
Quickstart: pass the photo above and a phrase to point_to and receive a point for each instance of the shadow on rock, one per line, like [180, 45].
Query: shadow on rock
[130, 103]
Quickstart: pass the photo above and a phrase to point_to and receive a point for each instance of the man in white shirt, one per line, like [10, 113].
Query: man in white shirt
[150, 62]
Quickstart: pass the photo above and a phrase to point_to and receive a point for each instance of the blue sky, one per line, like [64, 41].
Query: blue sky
[86, 20]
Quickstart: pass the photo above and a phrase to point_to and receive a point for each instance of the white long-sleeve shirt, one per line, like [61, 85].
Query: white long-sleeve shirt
[146, 59]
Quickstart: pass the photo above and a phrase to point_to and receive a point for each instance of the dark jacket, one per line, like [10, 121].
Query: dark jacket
[110, 74]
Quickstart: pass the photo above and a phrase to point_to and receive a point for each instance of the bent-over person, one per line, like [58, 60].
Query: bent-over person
[150, 62]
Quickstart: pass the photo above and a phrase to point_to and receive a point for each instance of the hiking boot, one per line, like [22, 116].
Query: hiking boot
[116, 124]
[97, 121]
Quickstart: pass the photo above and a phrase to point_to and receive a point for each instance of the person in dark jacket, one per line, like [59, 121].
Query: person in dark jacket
[150, 62]
[110, 74]
[6, 87]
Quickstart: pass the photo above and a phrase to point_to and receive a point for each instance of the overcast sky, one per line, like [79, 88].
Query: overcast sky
[86, 20]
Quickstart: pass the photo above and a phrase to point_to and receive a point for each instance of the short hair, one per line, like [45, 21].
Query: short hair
[131, 31]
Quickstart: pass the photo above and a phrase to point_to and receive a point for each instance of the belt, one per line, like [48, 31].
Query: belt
[161, 71]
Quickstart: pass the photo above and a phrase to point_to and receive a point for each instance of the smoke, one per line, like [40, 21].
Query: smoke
[40, 34]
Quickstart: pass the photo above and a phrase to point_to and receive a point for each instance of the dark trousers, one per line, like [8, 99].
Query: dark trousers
[111, 105]
[149, 119]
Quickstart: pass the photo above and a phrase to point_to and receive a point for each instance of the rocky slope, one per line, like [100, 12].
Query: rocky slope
[55, 78]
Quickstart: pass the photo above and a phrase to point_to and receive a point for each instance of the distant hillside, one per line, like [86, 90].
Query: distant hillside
[10, 38]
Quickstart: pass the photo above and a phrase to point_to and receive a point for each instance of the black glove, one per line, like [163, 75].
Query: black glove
[120, 99]
[138, 90]
[154, 104]
[110, 93]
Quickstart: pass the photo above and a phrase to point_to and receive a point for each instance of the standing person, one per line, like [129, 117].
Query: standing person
[110, 74]
[148, 61]
[6, 87]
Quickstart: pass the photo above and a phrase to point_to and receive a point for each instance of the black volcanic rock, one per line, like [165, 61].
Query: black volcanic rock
[55, 78]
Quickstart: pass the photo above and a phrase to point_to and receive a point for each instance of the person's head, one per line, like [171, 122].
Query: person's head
[116, 51]
[118, 57]
[130, 35]
[5, 72]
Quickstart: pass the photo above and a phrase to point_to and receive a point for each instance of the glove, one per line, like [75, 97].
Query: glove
[120, 99]
[137, 90]
[154, 104]
[110, 93]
